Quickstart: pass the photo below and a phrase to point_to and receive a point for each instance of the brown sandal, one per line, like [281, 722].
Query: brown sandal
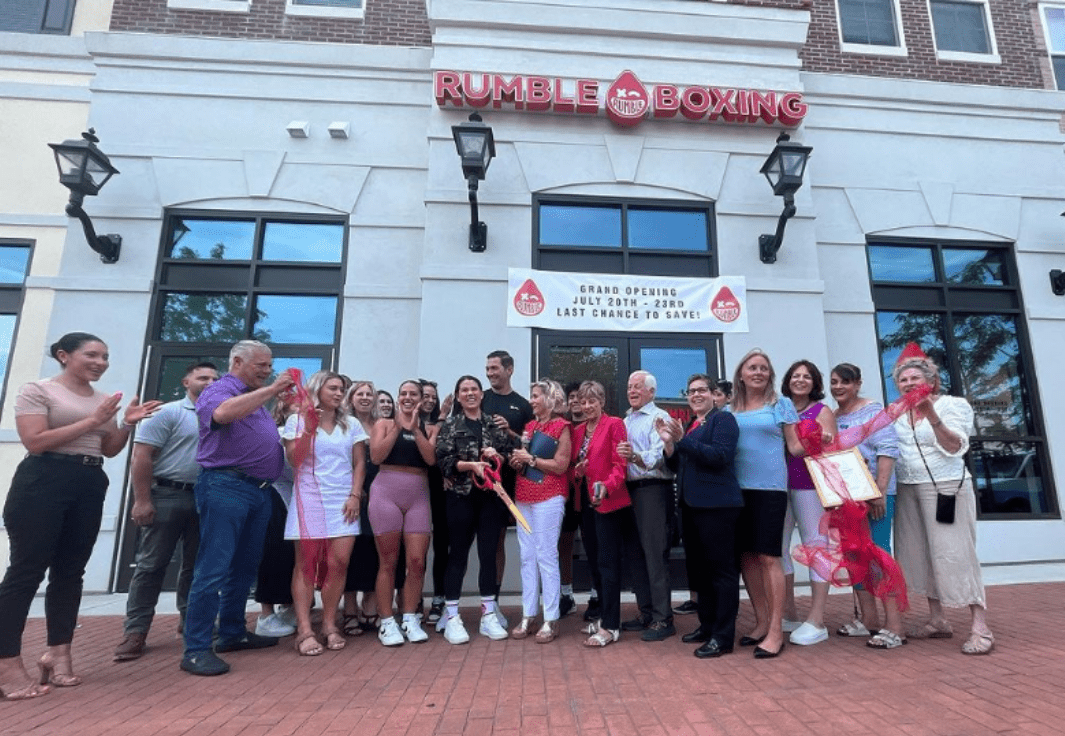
[334, 641]
[311, 651]
[978, 643]
[351, 625]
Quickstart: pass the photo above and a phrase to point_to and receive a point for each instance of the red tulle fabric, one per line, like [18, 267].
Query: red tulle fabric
[849, 556]
[306, 494]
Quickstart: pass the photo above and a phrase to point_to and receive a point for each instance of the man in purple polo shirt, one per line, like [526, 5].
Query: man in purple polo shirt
[241, 456]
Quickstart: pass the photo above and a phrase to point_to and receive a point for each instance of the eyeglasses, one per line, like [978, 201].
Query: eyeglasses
[696, 391]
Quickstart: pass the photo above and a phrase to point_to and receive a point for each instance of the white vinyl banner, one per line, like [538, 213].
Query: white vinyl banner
[605, 302]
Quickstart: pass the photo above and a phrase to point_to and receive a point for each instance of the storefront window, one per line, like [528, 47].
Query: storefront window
[965, 311]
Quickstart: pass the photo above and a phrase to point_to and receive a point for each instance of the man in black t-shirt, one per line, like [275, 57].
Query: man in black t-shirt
[511, 412]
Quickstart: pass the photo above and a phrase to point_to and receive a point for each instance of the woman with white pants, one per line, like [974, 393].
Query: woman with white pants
[541, 497]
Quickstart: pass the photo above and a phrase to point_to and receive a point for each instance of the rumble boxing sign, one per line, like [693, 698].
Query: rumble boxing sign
[627, 101]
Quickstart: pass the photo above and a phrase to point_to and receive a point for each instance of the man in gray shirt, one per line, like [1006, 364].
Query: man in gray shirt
[164, 507]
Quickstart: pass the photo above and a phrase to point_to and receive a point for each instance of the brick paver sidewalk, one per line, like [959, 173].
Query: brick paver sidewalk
[520, 687]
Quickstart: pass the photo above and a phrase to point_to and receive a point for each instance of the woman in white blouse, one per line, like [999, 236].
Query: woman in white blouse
[937, 553]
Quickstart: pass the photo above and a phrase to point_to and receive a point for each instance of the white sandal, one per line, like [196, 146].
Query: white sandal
[854, 628]
[601, 637]
[885, 639]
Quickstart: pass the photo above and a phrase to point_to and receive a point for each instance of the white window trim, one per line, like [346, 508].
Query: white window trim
[222, 6]
[324, 11]
[1046, 37]
[991, 58]
[870, 49]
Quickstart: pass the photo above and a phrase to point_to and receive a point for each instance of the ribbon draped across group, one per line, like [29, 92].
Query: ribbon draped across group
[846, 554]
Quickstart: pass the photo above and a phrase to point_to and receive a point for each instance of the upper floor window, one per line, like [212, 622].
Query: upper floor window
[36, 16]
[224, 6]
[870, 26]
[14, 267]
[960, 302]
[963, 30]
[326, 8]
[657, 238]
[1054, 32]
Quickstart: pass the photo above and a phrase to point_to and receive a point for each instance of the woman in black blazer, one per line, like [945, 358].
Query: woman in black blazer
[711, 501]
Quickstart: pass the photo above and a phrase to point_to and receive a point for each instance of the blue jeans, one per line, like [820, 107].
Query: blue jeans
[233, 519]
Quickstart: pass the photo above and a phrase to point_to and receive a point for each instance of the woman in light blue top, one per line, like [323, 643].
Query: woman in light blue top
[767, 430]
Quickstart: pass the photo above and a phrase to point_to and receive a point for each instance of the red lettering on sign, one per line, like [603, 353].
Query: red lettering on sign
[667, 101]
[561, 102]
[764, 106]
[722, 103]
[792, 109]
[477, 96]
[512, 92]
[587, 96]
[447, 87]
[538, 93]
[694, 102]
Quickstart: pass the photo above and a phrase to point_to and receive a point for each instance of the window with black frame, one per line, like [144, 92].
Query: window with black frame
[960, 302]
[226, 278]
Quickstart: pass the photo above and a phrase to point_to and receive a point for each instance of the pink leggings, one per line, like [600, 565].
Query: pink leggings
[399, 502]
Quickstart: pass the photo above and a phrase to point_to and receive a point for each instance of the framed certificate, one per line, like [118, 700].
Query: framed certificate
[844, 471]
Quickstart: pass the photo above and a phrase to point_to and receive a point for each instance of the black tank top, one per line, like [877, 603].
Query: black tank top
[405, 451]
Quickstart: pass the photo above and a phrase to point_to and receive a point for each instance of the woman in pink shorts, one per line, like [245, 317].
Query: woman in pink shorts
[403, 446]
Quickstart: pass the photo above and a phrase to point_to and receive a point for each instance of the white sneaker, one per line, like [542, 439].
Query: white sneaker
[414, 631]
[455, 632]
[273, 625]
[287, 615]
[491, 627]
[502, 619]
[808, 634]
[389, 632]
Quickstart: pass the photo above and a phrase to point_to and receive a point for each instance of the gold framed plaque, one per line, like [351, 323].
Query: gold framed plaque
[846, 467]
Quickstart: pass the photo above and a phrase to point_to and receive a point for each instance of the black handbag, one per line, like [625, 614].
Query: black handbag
[946, 503]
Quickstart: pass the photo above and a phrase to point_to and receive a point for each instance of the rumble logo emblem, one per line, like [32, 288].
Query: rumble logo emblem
[627, 101]
[725, 306]
[529, 301]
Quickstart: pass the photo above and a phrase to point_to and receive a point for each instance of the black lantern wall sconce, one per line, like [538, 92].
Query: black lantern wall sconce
[84, 169]
[784, 170]
[477, 148]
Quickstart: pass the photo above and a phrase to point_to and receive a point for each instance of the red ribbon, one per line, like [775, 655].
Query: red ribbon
[313, 548]
[848, 555]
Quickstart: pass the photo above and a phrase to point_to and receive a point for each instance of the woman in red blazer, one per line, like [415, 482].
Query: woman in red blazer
[596, 462]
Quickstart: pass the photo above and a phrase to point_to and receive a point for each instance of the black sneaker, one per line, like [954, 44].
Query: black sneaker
[248, 640]
[659, 631]
[566, 604]
[685, 608]
[436, 612]
[205, 664]
[593, 611]
[637, 624]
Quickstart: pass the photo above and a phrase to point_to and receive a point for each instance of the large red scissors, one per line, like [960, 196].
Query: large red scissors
[491, 481]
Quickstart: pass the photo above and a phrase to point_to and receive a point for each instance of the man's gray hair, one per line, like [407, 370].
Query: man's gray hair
[244, 348]
[649, 381]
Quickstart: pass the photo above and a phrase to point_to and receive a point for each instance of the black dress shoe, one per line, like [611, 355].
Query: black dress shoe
[750, 641]
[636, 624]
[249, 640]
[712, 649]
[205, 664]
[593, 611]
[760, 653]
[687, 607]
[694, 636]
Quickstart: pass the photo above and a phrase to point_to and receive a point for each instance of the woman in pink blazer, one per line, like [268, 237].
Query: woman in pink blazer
[597, 464]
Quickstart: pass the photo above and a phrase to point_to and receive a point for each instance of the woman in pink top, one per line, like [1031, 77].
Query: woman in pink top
[53, 510]
[541, 490]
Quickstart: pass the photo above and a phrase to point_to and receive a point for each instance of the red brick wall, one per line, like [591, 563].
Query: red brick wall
[1017, 33]
[386, 22]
